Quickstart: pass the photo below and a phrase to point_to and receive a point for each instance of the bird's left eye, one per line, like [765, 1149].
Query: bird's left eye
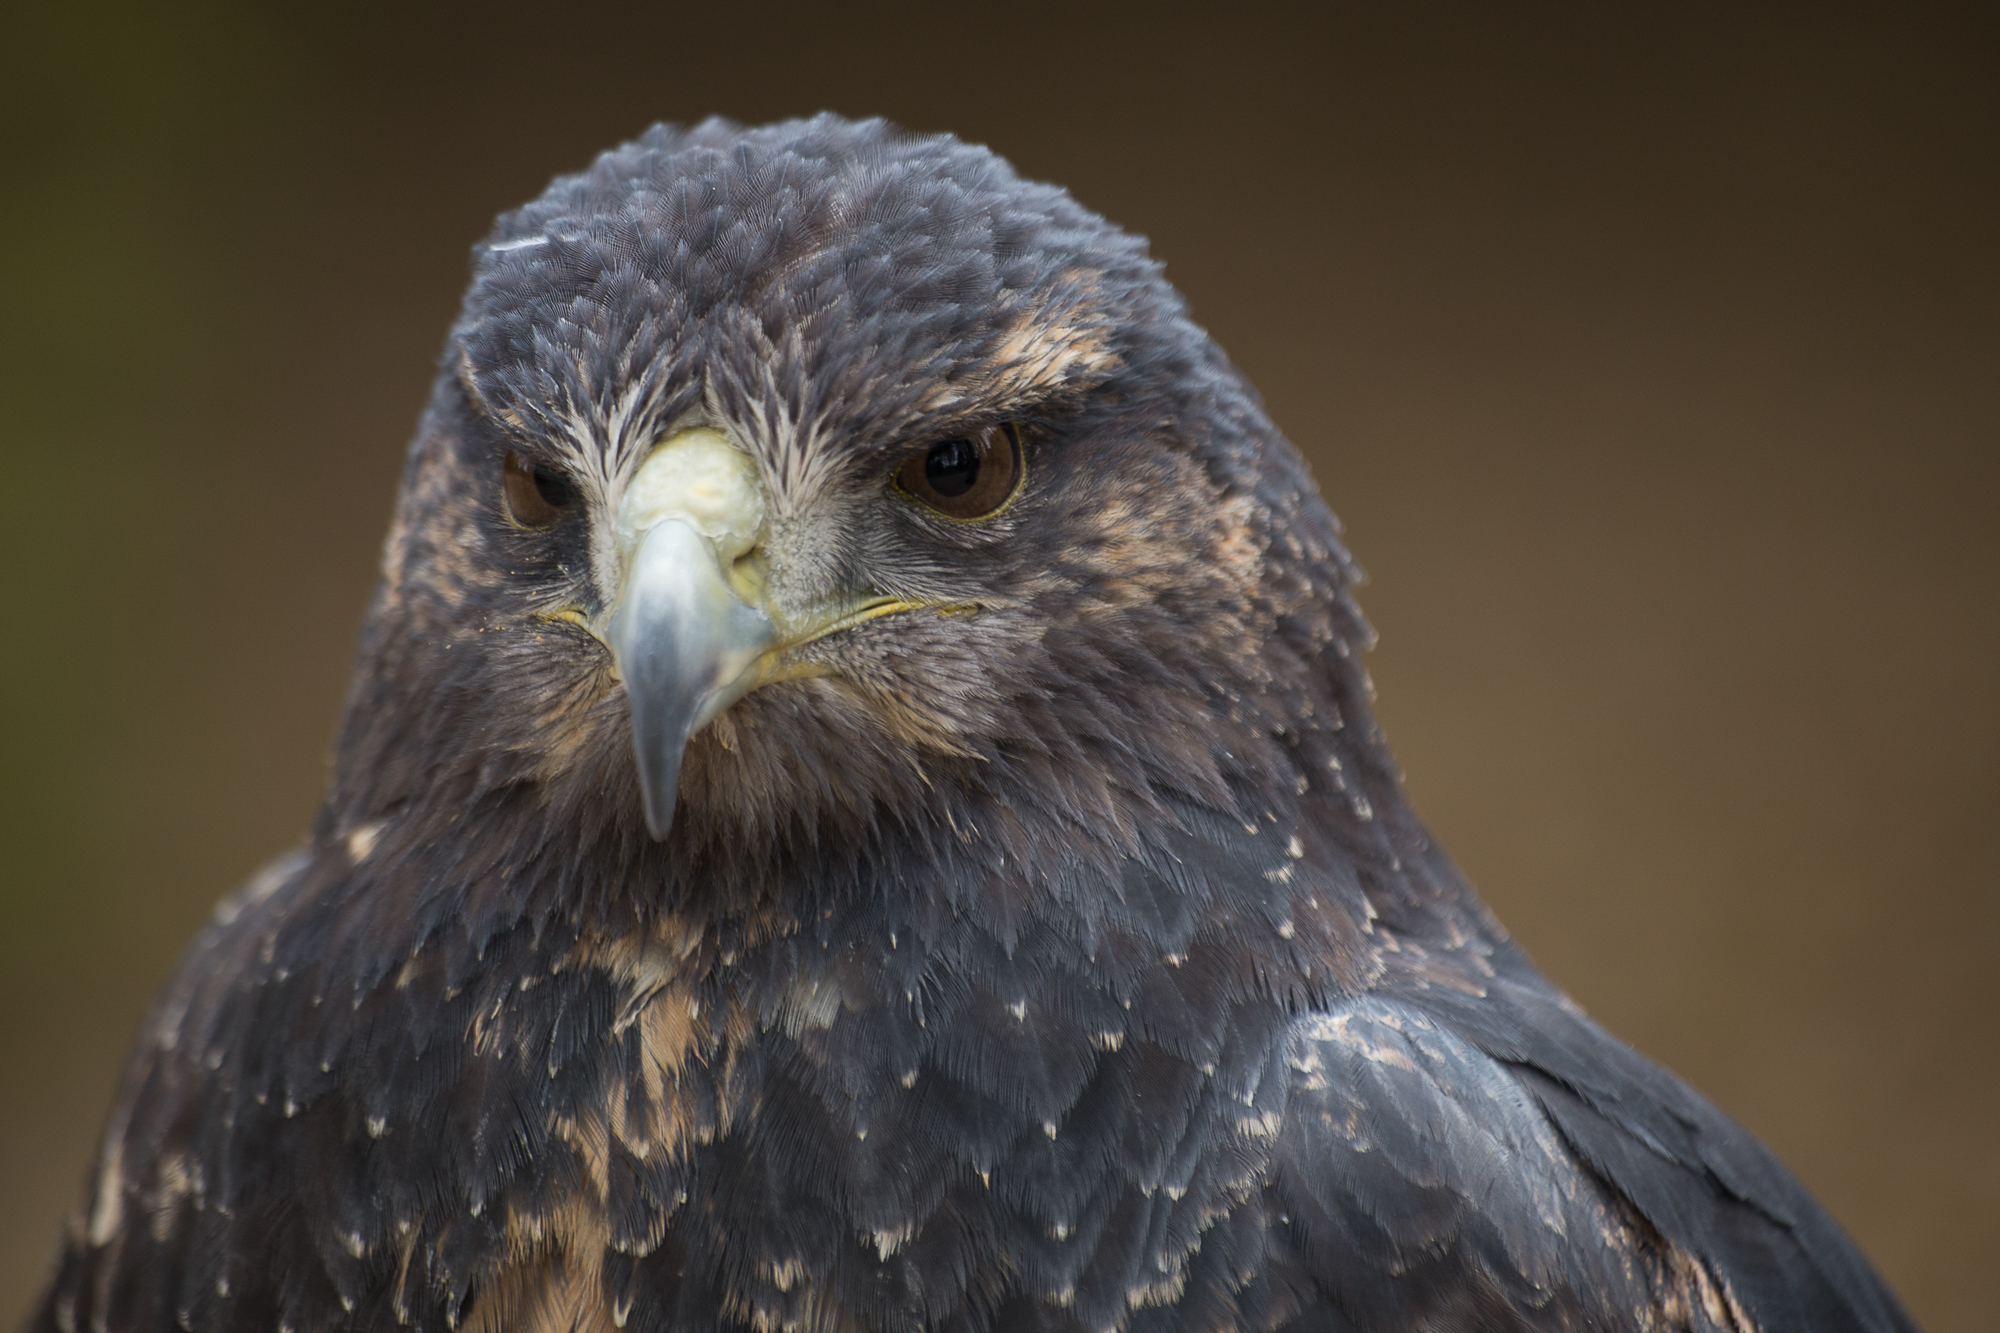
[537, 495]
[972, 476]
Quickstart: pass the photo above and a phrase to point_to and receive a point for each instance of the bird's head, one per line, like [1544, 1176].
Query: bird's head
[816, 478]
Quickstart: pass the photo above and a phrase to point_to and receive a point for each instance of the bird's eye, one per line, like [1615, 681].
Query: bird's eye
[973, 476]
[536, 495]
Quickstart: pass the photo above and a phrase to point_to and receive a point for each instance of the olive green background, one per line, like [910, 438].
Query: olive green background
[1651, 361]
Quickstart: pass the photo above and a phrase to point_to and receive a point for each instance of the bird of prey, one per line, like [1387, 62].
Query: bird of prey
[859, 810]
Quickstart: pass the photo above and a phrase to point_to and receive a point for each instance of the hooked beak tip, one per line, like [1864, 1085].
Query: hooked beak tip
[659, 809]
[687, 648]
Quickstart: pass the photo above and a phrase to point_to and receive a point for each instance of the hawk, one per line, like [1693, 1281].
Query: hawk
[859, 810]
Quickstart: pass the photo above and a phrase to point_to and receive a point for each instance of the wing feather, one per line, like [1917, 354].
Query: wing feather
[1492, 1146]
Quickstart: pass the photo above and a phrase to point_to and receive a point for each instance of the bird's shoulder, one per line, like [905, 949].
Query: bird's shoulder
[331, 1119]
[128, 1235]
[1464, 1143]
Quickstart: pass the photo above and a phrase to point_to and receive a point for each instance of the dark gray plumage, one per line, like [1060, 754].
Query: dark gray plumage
[1036, 934]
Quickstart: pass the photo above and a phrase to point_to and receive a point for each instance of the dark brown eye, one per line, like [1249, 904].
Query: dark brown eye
[536, 495]
[972, 476]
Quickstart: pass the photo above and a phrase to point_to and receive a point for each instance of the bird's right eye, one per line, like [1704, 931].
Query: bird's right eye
[537, 495]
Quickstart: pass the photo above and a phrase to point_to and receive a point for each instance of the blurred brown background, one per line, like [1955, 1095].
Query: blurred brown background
[1651, 362]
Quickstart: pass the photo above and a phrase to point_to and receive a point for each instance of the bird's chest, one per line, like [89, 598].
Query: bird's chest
[804, 1136]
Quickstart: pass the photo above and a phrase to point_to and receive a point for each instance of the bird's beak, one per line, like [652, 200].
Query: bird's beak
[688, 632]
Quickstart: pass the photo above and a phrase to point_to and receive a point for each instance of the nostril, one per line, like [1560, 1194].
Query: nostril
[701, 477]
